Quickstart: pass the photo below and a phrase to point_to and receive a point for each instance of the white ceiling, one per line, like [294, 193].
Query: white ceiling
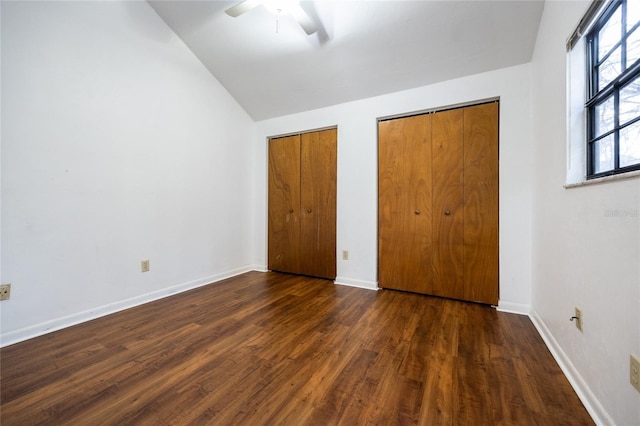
[363, 48]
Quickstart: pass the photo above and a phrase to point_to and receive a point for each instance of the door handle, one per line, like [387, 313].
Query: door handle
[447, 212]
[417, 211]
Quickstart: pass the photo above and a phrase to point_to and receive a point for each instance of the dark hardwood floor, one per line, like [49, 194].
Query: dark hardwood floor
[269, 348]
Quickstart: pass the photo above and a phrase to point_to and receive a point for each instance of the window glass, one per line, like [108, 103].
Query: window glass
[630, 101]
[633, 13]
[604, 117]
[610, 34]
[609, 69]
[630, 145]
[633, 46]
[603, 154]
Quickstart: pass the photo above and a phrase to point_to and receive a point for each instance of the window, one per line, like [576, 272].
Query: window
[613, 90]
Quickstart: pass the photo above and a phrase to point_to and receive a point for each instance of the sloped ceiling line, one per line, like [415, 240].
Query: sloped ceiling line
[364, 48]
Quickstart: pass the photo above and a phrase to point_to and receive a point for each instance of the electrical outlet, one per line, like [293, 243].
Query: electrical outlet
[345, 254]
[5, 291]
[578, 318]
[634, 372]
[144, 265]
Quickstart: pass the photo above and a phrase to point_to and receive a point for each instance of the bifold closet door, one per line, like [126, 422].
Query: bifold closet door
[284, 204]
[448, 213]
[302, 204]
[405, 192]
[318, 174]
[481, 213]
[438, 203]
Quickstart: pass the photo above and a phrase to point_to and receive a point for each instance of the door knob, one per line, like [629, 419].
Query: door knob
[447, 212]
[290, 210]
[308, 210]
[417, 211]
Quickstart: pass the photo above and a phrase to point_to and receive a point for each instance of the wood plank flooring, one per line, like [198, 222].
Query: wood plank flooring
[269, 348]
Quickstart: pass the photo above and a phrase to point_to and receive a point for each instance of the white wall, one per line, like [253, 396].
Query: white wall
[357, 172]
[117, 146]
[586, 245]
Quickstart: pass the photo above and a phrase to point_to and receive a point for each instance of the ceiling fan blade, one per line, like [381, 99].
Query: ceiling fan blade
[242, 7]
[303, 19]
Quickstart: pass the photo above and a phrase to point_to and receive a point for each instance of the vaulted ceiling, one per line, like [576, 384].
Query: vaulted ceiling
[362, 48]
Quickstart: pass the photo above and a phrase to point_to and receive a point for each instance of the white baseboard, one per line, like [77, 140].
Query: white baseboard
[88, 315]
[369, 285]
[513, 308]
[590, 402]
[259, 268]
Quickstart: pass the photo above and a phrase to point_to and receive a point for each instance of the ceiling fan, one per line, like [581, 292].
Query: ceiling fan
[277, 7]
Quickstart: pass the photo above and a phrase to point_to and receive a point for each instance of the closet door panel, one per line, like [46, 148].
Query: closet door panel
[448, 205]
[404, 205]
[284, 204]
[481, 252]
[318, 203]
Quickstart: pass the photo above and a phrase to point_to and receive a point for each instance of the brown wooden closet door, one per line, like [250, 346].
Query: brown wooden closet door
[318, 203]
[284, 204]
[481, 252]
[404, 204]
[448, 206]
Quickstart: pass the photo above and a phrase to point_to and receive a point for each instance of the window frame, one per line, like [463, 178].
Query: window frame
[595, 97]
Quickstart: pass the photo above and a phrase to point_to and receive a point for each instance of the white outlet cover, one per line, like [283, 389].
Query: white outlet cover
[634, 372]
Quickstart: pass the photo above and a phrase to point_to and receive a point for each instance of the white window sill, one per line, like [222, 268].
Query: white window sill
[622, 176]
